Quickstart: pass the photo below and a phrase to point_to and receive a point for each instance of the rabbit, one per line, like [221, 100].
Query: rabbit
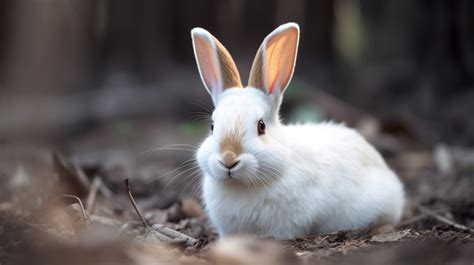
[267, 179]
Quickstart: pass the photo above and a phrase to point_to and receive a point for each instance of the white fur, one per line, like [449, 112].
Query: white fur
[317, 178]
[293, 180]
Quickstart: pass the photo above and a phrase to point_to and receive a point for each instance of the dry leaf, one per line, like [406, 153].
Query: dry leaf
[390, 237]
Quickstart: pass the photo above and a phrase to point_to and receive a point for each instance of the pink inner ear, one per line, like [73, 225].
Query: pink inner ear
[275, 75]
[207, 65]
[271, 79]
[279, 60]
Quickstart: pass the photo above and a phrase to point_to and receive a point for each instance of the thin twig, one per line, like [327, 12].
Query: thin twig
[414, 219]
[80, 205]
[104, 190]
[154, 236]
[127, 189]
[71, 176]
[445, 220]
[176, 235]
[93, 188]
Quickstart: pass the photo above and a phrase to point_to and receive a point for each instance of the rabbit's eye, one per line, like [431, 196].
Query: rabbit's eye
[212, 127]
[261, 127]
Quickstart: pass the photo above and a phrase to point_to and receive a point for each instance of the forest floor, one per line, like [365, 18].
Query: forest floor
[73, 207]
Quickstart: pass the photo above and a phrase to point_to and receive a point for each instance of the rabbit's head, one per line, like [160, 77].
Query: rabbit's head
[245, 143]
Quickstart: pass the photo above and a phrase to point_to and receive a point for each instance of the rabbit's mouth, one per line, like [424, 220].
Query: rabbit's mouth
[232, 172]
[239, 171]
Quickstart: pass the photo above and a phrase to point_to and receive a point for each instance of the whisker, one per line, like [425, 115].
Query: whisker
[200, 116]
[253, 181]
[269, 175]
[203, 105]
[178, 175]
[179, 167]
[174, 147]
[193, 184]
[263, 182]
[249, 178]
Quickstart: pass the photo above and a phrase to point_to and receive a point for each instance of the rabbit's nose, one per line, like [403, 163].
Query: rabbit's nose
[231, 165]
[229, 159]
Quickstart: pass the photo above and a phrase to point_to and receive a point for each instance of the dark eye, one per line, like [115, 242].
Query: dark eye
[212, 127]
[261, 127]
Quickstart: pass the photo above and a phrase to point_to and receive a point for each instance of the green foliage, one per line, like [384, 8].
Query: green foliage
[193, 128]
[307, 113]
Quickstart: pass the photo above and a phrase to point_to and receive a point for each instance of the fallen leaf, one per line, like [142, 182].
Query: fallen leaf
[390, 237]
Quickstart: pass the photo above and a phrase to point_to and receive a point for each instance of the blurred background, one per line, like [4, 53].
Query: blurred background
[106, 82]
[93, 91]
[73, 67]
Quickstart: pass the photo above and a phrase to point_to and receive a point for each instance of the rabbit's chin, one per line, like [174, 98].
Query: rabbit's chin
[244, 172]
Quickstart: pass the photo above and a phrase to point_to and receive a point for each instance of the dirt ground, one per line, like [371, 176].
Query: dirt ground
[70, 206]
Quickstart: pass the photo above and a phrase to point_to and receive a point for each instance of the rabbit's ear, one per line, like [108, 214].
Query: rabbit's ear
[274, 63]
[216, 66]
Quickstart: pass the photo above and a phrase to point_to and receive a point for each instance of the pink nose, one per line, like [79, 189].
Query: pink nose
[229, 159]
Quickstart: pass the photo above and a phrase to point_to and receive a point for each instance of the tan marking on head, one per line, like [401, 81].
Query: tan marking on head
[230, 144]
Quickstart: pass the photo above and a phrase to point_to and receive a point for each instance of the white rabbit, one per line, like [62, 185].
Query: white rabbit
[264, 178]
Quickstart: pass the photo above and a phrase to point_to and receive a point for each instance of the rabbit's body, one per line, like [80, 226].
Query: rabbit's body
[272, 180]
[333, 180]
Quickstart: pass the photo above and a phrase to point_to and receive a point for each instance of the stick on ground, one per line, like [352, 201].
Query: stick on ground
[80, 204]
[176, 235]
[127, 189]
[445, 220]
[91, 196]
